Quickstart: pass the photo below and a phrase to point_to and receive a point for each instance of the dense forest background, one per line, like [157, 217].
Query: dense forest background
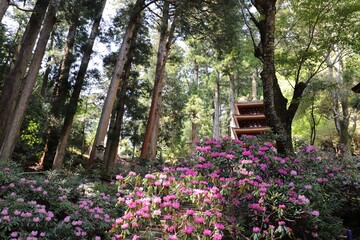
[146, 79]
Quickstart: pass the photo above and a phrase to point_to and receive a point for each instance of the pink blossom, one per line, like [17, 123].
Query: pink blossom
[176, 205]
[315, 213]
[172, 237]
[135, 237]
[150, 176]
[189, 229]
[219, 226]
[256, 230]
[199, 220]
[189, 212]
[207, 232]
[5, 212]
[125, 226]
[217, 236]
[134, 224]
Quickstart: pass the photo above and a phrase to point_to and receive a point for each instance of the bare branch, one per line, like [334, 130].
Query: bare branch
[20, 8]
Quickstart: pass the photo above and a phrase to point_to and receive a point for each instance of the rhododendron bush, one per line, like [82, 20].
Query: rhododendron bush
[230, 190]
[226, 189]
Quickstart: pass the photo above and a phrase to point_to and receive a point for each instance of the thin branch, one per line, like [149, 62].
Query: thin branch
[20, 8]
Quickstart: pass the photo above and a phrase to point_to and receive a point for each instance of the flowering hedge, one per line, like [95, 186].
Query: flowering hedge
[39, 207]
[225, 190]
[233, 190]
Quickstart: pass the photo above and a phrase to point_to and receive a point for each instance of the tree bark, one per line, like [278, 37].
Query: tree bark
[275, 103]
[13, 133]
[12, 85]
[4, 5]
[113, 139]
[62, 85]
[341, 113]
[45, 79]
[216, 120]
[115, 81]
[148, 150]
[79, 82]
[232, 104]
[254, 86]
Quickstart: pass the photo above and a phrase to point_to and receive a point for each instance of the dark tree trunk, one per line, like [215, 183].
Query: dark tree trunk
[113, 137]
[47, 72]
[115, 81]
[149, 146]
[72, 106]
[13, 133]
[12, 85]
[275, 103]
[4, 5]
[232, 104]
[60, 94]
[216, 119]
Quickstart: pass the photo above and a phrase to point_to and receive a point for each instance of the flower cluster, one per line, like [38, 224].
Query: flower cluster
[46, 209]
[227, 189]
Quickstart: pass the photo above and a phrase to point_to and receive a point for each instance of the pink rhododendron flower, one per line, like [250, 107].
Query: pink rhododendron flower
[217, 236]
[256, 230]
[134, 224]
[189, 229]
[172, 237]
[315, 213]
[207, 232]
[125, 226]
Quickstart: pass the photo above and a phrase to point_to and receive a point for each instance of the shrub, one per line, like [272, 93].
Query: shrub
[237, 190]
[53, 206]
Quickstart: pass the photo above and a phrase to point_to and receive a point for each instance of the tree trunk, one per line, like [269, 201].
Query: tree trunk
[45, 79]
[13, 133]
[4, 4]
[196, 75]
[216, 120]
[60, 94]
[115, 81]
[72, 106]
[275, 103]
[12, 85]
[254, 86]
[340, 97]
[113, 137]
[149, 146]
[62, 85]
[232, 104]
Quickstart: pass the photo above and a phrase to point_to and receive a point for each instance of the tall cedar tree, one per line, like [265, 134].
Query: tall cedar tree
[79, 82]
[11, 90]
[60, 93]
[115, 81]
[167, 32]
[29, 82]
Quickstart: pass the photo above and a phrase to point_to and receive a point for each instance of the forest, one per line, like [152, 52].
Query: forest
[116, 119]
